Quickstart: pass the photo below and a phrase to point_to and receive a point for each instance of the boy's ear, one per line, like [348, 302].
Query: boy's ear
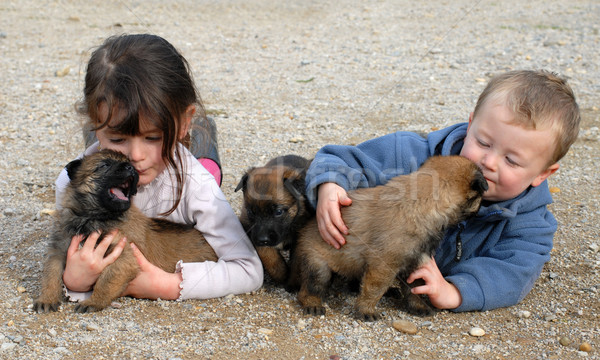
[545, 174]
[470, 120]
[186, 122]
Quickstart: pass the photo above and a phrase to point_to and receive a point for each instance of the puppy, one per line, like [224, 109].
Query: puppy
[393, 228]
[274, 210]
[98, 198]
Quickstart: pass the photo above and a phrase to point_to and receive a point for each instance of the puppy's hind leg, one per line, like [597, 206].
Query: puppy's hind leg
[315, 280]
[375, 282]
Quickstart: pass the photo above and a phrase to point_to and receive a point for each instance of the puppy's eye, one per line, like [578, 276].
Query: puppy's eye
[279, 212]
[101, 166]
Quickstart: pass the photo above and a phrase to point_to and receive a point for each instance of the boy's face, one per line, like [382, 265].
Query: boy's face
[512, 158]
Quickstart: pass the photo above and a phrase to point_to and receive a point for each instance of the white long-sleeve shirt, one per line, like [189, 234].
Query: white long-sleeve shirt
[238, 270]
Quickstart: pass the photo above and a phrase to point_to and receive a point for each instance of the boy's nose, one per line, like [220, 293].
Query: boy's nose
[489, 162]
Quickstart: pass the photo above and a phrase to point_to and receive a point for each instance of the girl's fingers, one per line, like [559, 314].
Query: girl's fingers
[114, 255]
[74, 246]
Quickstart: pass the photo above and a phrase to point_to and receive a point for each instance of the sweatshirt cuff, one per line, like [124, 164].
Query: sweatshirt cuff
[470, 291]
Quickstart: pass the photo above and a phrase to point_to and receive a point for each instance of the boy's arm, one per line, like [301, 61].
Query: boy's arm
[504, 274]
[368, 164]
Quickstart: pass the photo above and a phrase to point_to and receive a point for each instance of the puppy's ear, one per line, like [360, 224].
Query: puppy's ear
[479, 183]
[294, 182]
[242, 183]
[72, 168]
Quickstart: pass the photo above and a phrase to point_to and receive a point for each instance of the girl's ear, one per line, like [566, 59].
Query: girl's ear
[186, 121]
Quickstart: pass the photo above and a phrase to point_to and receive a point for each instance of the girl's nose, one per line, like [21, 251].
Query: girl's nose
[136, 151]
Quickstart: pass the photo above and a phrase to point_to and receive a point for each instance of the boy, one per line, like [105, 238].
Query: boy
[523, 123]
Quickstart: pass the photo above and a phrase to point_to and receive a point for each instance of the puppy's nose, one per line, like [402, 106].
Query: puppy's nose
[263, 240]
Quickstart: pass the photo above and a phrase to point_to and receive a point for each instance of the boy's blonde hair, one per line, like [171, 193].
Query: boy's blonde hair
[538, 100]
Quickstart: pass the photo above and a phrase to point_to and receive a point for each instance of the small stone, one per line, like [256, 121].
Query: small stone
[92, 327]
[48, 212]
[52, 332]
[404, 326]
[21, 289]
[265, 331]
[296, 140]
[116, 305]
[301, 324]
[64, 72]
[524, 314]
[564, 341]
[476, 331]
[554, 189]
[9, 212]
[585, 347]
[7, 346]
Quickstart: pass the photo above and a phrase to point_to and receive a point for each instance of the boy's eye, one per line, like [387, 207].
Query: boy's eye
[482, 143]
[116, 140]
[511, 162]
[154, 138]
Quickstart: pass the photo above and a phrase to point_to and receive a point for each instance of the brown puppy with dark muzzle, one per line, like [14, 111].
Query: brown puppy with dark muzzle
[98, 198]
[274, 210]
[393, 228]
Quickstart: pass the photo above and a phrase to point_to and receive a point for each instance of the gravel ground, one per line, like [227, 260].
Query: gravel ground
[290, 77]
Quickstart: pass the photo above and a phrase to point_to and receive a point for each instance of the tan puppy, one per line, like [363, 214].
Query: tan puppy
[98, 198]
[275, 209]
[394, 228]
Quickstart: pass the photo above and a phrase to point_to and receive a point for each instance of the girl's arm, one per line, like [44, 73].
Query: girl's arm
[239, 269]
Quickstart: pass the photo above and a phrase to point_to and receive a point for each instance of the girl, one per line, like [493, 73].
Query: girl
[139, 99]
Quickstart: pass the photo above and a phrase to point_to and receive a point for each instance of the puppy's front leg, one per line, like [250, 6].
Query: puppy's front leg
[51, 293]
[111, 283]
[273, 263]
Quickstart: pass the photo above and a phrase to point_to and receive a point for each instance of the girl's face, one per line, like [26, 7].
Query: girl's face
[144, 150]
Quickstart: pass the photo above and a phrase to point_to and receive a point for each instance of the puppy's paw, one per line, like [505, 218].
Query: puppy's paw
[419, 305]
[45, 307]
[314, 310]
[369, 317]
[82, 308]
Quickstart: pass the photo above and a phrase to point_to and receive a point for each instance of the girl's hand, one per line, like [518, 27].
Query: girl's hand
[85, 264]
[329, 217]
[152, 282]
[442, 294]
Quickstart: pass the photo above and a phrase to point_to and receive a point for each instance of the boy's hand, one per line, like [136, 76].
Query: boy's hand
[84, 265]
[442, 294]
[152, 282]
[329, 218]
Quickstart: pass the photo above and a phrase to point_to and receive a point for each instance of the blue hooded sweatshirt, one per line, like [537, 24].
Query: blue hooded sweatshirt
[493, 258]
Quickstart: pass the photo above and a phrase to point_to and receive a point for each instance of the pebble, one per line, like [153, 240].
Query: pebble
[524, 314]
[585, 347]
[564, 341]
[405, 326]
[21, 289]
[476, 331]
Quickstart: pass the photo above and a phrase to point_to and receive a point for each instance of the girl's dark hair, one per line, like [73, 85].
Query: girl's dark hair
[142, 74]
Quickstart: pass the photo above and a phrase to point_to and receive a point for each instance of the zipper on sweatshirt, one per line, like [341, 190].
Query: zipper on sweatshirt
[459, 248]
